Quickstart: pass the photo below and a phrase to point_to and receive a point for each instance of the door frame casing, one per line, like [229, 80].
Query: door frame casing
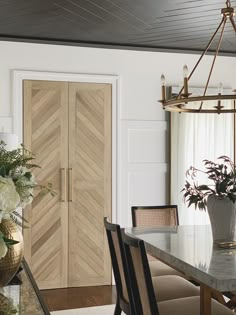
[20, 75]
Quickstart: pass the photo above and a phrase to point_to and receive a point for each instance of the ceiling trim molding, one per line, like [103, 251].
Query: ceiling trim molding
[104, 45]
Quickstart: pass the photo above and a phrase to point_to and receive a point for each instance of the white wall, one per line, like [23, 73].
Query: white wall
[143, 127]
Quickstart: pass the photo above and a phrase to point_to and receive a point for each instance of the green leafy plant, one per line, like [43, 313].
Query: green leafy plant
[223, 176]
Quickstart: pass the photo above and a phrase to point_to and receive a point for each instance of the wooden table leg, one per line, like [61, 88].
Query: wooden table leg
[205, 300]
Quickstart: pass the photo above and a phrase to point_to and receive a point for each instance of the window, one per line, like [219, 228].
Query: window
[195, 137]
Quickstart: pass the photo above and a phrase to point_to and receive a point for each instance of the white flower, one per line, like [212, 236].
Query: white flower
[9, 198]
[3, 248]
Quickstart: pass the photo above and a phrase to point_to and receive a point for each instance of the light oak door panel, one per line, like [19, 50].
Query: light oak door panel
[46, 135]
[89, 183]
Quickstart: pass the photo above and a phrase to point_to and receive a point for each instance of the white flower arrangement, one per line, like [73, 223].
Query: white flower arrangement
[17, 184]
[17, 181]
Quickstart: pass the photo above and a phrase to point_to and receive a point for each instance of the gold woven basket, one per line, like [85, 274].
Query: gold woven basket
[11, 262]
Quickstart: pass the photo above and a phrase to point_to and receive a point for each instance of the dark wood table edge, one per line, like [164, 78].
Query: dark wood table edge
[35, 287]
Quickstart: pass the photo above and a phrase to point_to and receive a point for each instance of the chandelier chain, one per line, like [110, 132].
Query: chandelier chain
[213, 63]
[203, 54]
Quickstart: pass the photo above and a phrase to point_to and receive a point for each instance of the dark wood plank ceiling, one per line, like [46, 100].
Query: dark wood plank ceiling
[178, 25]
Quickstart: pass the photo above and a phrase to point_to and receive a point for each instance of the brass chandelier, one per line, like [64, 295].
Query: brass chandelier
[185, 101]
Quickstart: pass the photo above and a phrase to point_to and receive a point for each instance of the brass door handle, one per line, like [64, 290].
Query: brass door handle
[70, 185]
[63, 184]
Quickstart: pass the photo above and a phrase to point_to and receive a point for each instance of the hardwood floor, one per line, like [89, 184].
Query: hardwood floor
[61, 299]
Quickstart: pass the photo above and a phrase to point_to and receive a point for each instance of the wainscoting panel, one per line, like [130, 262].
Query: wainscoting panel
[147, 185]
[142, 144]
[145, 171]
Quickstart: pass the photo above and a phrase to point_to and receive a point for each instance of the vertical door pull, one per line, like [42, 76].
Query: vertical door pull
[70, 186]
[63, 185]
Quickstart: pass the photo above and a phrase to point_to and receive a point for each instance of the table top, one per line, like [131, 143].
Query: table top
[190, 249]
[24, 297]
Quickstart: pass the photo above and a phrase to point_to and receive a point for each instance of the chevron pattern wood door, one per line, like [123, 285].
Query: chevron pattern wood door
[46, 135]
[90, 183]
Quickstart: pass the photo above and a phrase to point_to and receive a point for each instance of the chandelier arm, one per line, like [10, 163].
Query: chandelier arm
[214, 59]
[233, 23]
[203, 54]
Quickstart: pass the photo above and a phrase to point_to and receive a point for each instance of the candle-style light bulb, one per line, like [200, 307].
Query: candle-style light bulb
[185, 71]
[163, 80]
[220, 88]
[163, 87]
[185, 75]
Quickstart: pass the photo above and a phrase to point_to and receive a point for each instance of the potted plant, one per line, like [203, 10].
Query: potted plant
[217, 195]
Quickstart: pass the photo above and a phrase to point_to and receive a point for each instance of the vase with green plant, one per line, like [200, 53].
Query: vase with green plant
[217, 195]
[17, 184]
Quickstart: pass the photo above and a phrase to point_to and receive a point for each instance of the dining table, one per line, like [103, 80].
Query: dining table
[191, 250]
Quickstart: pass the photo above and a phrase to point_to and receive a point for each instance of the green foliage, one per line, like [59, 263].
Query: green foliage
[19, 220]
[11, 160]
[223, 175]
[7, 241]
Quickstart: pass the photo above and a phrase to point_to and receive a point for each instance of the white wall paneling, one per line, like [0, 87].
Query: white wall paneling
[142, 143]
[145, 165]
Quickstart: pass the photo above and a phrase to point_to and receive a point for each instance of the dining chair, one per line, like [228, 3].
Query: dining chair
[144, 293]
[165, 215]
[120, 270]
[154, 216]
[171, 287]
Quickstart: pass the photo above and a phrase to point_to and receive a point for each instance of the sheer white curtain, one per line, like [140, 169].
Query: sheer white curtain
[195, 137]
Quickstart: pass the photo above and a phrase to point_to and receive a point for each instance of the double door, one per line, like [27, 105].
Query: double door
[68, 128]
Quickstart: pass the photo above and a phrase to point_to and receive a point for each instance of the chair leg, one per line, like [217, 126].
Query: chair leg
[218, 296]
[117, 310]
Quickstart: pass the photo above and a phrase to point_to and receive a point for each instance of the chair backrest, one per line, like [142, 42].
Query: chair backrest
[119, 265]
[152, 216]
[140, 276]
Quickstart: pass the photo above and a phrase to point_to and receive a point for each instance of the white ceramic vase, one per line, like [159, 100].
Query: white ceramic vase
[222, 214]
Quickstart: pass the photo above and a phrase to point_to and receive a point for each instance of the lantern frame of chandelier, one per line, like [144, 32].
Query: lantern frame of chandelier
[179, 105]
[181, 101]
